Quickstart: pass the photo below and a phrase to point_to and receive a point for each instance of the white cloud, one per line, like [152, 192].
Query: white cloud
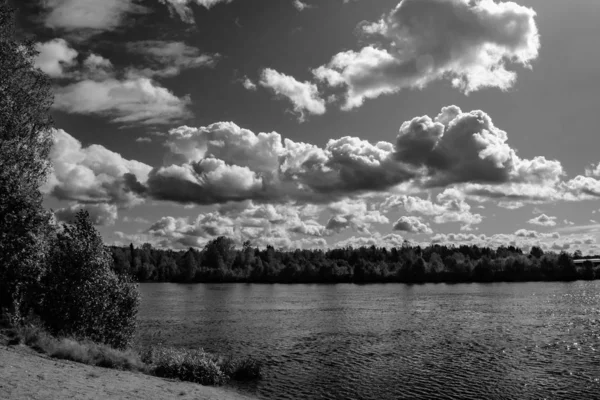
[136, 100]
[301, 6]
[89, 15]
[420, 41]
[543, 220]
[170, 58]
[248, 84]
[304, 96]
[93, 174]
[54, 57]
[412, 225]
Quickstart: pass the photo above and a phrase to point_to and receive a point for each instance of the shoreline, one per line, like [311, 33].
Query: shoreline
[26, 374]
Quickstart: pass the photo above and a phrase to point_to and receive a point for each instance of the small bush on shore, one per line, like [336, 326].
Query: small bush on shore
[187, 365]
[199, 366]
[242, 369]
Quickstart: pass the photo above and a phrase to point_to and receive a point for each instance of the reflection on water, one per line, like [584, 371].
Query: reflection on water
[525, 340]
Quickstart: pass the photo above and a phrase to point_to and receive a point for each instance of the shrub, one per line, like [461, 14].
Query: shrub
[82, 296]
[187, 365]
[244, 369]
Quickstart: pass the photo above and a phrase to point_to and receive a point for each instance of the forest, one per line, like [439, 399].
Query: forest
[221, 261]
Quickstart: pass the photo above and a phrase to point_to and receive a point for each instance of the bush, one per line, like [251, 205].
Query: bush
[186, 365]
[245, 369]
[82, 295]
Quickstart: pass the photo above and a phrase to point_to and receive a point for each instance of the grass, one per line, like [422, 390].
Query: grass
[168, 362]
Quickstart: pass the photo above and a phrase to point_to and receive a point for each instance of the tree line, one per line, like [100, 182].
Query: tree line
[221, 261]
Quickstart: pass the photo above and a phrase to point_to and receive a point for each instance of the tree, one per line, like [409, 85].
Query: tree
[82, 295]
[25, 143]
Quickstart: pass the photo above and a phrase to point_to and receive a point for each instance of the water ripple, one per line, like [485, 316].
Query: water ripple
[500, 341]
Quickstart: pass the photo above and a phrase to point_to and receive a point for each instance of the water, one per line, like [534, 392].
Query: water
[394, 341]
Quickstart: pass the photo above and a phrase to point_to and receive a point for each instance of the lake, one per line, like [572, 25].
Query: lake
[392, 341]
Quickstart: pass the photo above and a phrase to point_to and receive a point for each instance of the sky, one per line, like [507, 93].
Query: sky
[319, 124]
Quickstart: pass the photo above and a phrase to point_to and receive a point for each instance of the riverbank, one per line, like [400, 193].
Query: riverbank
[25, 374]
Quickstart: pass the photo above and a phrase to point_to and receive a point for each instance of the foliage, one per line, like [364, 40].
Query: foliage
[242, 369]
[187, 365]
[219, 261]
[25, 143]
[200, 367]
[83, 296]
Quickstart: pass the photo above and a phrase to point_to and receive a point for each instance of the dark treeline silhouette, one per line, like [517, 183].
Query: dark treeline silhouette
[220, 261]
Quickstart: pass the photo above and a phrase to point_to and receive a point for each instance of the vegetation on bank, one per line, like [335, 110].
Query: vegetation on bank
[221, 261]
[184, 364]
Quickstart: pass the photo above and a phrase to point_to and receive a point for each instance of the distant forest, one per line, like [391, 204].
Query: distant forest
[220, 261]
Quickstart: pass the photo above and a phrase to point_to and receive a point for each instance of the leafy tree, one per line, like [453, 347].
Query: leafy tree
[83, 296]
[25, 143]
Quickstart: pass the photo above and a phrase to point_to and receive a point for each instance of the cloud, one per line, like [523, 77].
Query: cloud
[421, 41]
[543, 220]
[170, 58]
[143, 139]
[454, 148]
[100, 214]
[248, 84]
[89, 15]
[304, 96]
[376, 239]
[452, 207]
[183, 9]
[54, 57]
[128, 101]
[91, 175]
[262, 224]
[353, 214]
[412, 225]
[94, 87]
[301, 6]
[460, 147]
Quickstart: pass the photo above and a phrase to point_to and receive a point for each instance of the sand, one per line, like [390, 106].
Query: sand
[25, 374]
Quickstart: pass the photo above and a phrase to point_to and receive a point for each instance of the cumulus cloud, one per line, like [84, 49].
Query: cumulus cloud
[100, 214]
[451, 207]
[224, 162]
[133, 100]
[282, 226]
[412, 225]
[93, 174]
[304, 96]
[55, 57]
[460, 147]
[420, 41]
[353, 214]
[170, 58]
[89, 15]
[543, 220]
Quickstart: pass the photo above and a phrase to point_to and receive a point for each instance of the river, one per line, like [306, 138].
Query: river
[392, 341]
